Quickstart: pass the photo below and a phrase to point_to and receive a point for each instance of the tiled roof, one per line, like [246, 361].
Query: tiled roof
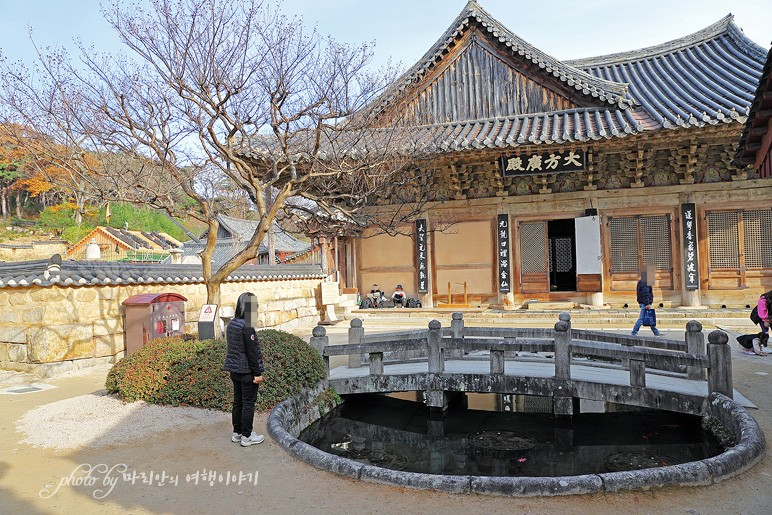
[82, 273]
[568, 126]
[708, 77]
[614, 93]
[757, 126]
[241, 232]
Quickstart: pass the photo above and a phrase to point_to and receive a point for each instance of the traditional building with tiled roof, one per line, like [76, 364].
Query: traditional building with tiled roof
[124, 245]
[233, 234]
[563, 178]
[756, 142]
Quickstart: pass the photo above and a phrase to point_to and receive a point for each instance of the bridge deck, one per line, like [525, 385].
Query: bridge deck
[584, 373]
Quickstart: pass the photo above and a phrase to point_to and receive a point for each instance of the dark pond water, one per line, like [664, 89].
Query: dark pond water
[399, 435]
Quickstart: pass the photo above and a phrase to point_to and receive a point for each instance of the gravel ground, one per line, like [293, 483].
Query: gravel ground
[96, 420]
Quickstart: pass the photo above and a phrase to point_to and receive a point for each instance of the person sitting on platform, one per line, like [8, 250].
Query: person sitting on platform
[377, 296]
[399, 296]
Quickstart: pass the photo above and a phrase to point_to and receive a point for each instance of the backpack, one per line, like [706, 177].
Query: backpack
[413, 303]
[755, 318]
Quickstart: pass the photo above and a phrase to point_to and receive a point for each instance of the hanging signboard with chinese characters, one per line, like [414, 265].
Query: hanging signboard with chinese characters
[542, 162]
[689, 235]
[420, 247]
[502, 239]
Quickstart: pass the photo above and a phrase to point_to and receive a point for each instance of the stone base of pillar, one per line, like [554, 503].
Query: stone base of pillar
[563, 406]
[437, 399]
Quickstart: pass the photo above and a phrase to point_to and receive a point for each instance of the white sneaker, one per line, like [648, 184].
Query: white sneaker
[757, 347]
[236, 437]
[252, 440]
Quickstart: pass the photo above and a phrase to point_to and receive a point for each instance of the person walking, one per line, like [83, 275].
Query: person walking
[244, 362]
[645, 297]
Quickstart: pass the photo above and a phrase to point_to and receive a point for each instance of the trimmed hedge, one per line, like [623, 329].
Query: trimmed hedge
[181, 372]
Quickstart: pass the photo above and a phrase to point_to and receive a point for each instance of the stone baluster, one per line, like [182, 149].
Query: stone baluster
[563, 347]
[719, 364]
[320, 340]
[376, 363]
[436, 361]
[497, 361]
[637, 372]
[563, 404]
[355, 334]
[695, 344]
[457, 329]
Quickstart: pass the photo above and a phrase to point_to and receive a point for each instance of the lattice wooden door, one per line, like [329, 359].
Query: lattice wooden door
[534, 271]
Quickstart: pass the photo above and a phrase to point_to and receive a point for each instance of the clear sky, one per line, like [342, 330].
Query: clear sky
[405, 29]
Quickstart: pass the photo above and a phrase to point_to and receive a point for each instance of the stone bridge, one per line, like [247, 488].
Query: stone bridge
[562, 363]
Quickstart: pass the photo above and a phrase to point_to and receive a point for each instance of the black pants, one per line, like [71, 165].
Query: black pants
[244, 397]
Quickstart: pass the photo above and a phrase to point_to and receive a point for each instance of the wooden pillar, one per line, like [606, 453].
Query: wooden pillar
[689, 298]
[427, 299]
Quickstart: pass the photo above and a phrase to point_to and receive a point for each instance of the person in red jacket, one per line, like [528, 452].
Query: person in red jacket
[764, 307]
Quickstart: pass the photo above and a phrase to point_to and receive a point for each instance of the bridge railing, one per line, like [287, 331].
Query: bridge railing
[638, 355]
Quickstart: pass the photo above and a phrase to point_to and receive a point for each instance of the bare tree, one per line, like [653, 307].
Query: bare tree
[240, 88]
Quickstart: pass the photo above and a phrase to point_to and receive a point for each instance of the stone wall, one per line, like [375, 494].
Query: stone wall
[56, 329]
[34, 250]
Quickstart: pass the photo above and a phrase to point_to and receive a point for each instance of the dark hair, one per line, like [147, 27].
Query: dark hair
[241, 304]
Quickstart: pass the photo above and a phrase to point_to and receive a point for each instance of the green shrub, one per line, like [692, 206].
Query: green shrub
[144, 374]
[189, 373]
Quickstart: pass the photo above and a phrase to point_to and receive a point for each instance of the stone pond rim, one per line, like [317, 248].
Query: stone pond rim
[293, 415]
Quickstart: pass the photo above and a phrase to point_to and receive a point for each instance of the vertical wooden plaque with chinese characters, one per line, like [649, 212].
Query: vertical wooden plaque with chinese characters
[421, 260]
[689, 236]
[502, 239]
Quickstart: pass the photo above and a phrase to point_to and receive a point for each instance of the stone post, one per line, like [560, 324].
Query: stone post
[436, 361]
[563, 348]
[637, 372]
[319, 341]
[695, 344]
[719, 364]
[563, 405]
[497, 361]
[376, 363]
[457, 329]
[355, 334]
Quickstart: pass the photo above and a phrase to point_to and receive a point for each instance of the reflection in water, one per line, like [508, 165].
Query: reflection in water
[399, 435]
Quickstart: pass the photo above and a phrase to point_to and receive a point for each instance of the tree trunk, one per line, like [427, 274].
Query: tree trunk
[79, 203]
[18, 204]
[213, 292]
[4, 203]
